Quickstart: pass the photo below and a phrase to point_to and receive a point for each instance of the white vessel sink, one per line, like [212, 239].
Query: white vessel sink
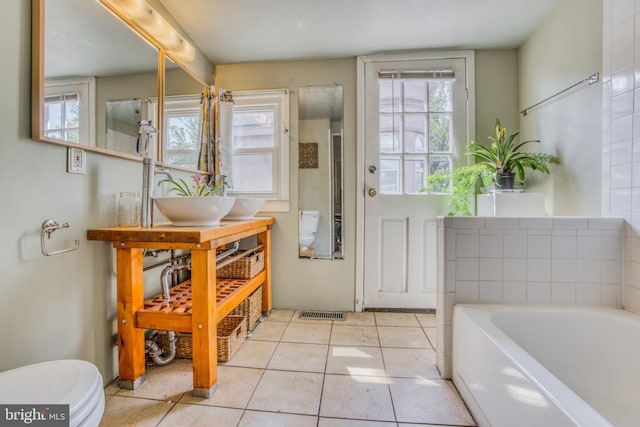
[245, 208]
[194, 211]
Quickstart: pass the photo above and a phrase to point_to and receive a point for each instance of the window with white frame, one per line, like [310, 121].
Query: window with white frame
[183, 127]
[260, 146]
[69, 107]
[62, 117]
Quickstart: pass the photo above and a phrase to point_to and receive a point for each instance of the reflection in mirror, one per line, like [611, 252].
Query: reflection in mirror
[118, 112]
[97, 76]
[186, 123]
[320, 182]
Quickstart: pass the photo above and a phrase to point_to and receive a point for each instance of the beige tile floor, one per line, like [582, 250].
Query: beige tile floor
[373, 369]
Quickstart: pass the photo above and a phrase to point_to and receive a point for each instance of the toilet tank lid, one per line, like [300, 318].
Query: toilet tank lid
[66, 381]
[309, 212]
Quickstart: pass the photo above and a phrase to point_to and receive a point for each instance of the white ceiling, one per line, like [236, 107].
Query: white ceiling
[232, 31]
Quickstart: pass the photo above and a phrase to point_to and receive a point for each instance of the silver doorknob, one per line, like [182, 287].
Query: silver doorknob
[372, 192]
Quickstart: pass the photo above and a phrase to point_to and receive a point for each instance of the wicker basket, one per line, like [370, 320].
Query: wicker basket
[250, 308]
[245, 267]
[183, 344]
[231, 333]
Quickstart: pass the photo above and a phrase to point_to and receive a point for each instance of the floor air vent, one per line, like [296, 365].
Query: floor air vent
[322, 315]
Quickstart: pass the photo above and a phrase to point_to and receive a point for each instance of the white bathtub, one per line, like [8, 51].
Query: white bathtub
[547, 366]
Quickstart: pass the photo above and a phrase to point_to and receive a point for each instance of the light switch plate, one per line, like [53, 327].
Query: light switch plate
[76, 160]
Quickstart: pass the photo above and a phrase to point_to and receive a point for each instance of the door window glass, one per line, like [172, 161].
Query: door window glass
[416, 132]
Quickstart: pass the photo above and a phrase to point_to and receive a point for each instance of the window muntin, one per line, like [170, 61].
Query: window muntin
[415, 174]
[416, 132]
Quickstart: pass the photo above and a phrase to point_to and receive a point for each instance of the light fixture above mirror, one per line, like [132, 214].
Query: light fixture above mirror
[139, 14]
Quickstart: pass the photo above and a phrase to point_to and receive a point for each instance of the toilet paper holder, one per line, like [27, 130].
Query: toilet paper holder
[48, 227]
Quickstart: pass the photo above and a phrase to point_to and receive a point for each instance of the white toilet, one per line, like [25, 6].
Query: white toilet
[73, 382]
[307, 227]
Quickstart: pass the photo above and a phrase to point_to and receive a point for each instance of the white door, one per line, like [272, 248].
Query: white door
[415, 124]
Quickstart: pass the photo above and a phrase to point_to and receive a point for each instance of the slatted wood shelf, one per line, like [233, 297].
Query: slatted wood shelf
[175, 314]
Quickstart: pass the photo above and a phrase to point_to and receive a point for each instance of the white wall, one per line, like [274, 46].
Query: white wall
[497, 91]
[621, 132]
[564, 50]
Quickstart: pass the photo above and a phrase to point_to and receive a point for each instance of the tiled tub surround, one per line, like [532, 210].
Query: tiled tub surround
[550, 260]
[631, 289]
[621, 131]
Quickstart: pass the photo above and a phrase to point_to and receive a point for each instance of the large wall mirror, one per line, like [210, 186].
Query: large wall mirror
[320, 172]
[95, 80]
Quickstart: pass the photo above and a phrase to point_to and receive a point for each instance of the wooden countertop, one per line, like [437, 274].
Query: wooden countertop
[166, 233]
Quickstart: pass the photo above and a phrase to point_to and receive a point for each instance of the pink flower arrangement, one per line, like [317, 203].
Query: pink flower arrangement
[201, 187]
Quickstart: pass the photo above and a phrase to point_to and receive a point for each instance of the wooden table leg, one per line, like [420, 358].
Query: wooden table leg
[264, 239]
[203, 315]
[130, 298]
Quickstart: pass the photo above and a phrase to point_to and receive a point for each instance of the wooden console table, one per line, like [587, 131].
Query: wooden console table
[207, 307]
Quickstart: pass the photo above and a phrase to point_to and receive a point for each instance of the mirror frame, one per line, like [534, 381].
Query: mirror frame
[37, 85]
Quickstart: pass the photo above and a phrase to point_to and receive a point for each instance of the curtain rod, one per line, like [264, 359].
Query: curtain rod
[444, 74]
[593, 78]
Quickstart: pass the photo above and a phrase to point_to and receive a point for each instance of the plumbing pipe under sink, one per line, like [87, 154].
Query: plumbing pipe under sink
[229, 252]
[152, 347]
[177, 265]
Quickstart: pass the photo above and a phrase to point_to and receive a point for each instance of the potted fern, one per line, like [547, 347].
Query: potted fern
[504, 157]
[497, 164]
